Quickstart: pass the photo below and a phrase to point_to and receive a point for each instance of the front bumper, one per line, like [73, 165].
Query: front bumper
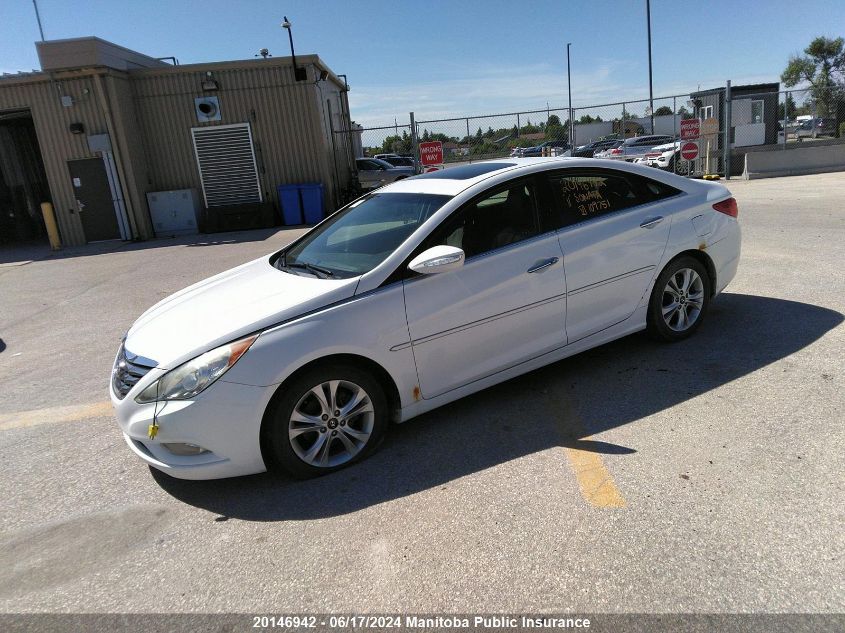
[225, 419]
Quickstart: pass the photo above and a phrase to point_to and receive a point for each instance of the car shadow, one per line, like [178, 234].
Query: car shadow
[38, 251]
[562, 404]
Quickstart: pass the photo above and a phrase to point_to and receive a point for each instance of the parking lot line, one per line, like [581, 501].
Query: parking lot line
[71, 413]
[594, 480]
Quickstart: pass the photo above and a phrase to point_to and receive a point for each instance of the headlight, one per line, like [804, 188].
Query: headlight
[191, 378]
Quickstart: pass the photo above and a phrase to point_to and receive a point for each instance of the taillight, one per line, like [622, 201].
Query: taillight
[616, 151]
[728, 207]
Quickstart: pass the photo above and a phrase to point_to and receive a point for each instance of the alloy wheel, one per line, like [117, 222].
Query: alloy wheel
[331, 423]
[683, 299]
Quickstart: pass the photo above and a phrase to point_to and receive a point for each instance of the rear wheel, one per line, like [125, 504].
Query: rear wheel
[679, 300]
[328, 418]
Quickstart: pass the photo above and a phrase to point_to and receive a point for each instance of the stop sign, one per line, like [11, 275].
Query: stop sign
[689, 151]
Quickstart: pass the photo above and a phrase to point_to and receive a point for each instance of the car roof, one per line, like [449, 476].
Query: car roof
[442, 185]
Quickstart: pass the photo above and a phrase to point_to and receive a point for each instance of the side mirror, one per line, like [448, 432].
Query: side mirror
[437, 259]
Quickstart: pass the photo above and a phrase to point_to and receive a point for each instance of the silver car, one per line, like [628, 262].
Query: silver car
[634, 147]
[374, 172]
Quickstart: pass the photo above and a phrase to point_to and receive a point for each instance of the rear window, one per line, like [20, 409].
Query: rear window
[581, 195]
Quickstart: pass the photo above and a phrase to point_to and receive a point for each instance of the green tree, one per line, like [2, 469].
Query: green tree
[553, 120]
[663, 111]
[685, 114]
[557, 132]
[823, 67]
[587, 119]
[791, 108]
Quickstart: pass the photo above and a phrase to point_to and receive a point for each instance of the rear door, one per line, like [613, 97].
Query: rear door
[613, 227]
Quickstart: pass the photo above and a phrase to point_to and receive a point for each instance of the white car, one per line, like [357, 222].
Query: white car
[413, 296]
[661, 156]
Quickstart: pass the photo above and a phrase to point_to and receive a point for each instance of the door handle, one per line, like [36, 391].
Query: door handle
[549, 262]
[651, 222]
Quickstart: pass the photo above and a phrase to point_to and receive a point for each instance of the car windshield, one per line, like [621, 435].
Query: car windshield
[359, 237]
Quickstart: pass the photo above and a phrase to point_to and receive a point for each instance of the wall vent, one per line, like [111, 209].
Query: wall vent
[226, 161]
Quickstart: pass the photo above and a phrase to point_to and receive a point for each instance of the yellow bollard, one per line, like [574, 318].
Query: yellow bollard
[50, 224]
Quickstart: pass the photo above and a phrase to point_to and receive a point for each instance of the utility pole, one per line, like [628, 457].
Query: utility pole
[569, 82]
[650, 88]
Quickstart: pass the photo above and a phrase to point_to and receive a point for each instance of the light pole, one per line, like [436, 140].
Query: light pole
[299, 74]
[38, 17]
[569, 82]
[650, 90]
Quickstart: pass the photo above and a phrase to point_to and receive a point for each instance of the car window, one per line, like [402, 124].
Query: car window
[582, 195]
[359, 237]
[502, 217]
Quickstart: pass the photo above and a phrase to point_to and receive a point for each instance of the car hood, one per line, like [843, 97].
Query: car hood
[227, 306]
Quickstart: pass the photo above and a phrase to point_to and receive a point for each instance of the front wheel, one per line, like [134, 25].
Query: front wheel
[679, 300]
[327, 418]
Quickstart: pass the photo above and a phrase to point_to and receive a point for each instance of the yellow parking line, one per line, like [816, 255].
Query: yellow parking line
[71, 413]
[594, 480]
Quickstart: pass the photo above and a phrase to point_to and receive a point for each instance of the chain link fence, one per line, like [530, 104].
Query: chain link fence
[753, 118]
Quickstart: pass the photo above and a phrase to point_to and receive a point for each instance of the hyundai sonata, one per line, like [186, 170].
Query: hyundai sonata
[410, 297]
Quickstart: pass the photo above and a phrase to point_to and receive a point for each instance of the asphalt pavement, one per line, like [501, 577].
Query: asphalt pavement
[705, 476]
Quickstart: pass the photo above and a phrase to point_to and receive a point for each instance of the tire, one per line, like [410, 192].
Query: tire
[679, 300]
[307, 439]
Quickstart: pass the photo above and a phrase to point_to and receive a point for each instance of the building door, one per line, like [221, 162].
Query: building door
[94, 199]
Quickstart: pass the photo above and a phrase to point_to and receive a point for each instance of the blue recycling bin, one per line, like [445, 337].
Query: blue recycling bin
[312, 202]
[301, 204]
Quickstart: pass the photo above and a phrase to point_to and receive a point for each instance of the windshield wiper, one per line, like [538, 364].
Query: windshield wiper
[312, 269]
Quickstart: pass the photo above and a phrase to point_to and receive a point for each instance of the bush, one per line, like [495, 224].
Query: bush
[842, 129]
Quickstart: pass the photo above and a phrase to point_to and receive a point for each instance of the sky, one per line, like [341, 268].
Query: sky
[456, 58]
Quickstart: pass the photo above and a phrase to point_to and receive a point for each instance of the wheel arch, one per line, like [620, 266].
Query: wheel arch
[391, 391]
[705, 261]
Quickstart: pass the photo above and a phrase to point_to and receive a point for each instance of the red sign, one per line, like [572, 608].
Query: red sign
[431, 153]
[690, 129]
[689, 151]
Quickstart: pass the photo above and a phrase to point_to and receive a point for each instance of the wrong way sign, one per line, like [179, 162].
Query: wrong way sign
[689, 151]
[431, 153]
[690, 129]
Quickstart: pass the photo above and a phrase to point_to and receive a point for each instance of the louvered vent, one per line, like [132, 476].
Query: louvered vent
[227, 164]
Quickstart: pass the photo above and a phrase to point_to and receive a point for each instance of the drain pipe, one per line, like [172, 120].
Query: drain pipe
[117, 155]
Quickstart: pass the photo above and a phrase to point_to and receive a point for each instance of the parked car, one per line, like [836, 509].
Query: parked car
[374, 172]
[413, 296]
[814, 128]
[634, 147]
[588, 150]
[559, 147]
[661, 156]
[397, 161]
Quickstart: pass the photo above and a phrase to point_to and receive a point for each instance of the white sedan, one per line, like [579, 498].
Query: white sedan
[411, 297]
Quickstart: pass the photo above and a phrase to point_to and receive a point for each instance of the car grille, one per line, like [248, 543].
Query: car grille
[128, 370]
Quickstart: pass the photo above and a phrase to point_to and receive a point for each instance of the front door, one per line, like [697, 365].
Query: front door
[94, 201]
[505, 306]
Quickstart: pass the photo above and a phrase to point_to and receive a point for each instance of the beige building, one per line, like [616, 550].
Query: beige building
[101, 129]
